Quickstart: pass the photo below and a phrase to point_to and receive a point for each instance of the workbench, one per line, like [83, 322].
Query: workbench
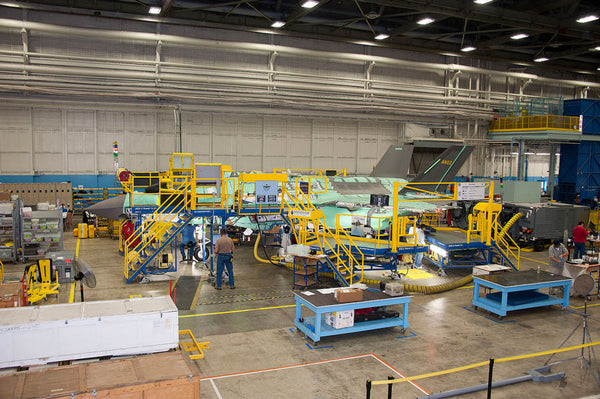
[519, 290]
[315, 327]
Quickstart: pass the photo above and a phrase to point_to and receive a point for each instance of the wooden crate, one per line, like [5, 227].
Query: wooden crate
[10, 296]
[162, 375]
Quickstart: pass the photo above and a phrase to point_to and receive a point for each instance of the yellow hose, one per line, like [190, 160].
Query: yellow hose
[407, 287]
[509, 224]
[258, 258]
[434, 289]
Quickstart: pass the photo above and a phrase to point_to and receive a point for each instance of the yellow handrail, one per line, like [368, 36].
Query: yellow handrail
[302, 202]
[156, 225]
[506, 243]
[535, 122]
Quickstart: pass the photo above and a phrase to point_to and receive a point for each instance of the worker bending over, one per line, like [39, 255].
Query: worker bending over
[557, 253]
[224, 251]
[579, 239]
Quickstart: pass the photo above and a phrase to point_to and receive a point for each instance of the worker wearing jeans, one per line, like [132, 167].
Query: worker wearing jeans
[420, 240]
[224, 250]
[579, 238]
[187, 241]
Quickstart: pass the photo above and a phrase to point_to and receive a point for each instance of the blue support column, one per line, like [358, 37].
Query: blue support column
[521, 161]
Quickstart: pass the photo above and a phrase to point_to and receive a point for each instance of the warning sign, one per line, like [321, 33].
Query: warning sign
[470, 191]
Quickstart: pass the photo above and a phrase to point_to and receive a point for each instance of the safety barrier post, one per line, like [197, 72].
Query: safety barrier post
[491, 370]
[368, 389]
[390, 387]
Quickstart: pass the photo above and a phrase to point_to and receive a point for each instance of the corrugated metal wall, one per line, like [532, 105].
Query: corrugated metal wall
[72, 141]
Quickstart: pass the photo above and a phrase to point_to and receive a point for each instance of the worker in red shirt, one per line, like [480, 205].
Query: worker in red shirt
[579, 238]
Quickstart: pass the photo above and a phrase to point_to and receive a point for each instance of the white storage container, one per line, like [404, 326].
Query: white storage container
[43, 334]
[341, 319]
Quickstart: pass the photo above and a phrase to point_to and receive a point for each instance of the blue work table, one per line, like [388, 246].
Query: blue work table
[519, 290]
[315, 327]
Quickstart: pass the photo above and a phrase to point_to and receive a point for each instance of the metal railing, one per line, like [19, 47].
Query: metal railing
[535, 122]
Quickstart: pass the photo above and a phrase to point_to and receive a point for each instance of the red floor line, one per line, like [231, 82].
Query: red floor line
[286, 367]
[402, 375]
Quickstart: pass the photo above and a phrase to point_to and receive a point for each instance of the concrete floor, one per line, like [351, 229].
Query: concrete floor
[256, 353]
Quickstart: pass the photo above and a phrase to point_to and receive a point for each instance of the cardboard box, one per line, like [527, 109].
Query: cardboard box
[4, 196]
[348, 295]
[341, 319]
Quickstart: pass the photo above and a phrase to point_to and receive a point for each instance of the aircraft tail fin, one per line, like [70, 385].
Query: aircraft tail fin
[395, 162]
[443, 169]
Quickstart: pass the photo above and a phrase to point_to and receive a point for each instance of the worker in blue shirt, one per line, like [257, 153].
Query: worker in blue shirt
[187, 241]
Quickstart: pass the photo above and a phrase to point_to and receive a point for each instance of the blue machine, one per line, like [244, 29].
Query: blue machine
[579, 172]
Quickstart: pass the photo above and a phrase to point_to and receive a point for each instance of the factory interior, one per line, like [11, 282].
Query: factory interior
[299, 199]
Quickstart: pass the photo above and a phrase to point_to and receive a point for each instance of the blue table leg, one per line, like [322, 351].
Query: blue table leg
[405, 315]
[504, 305]
[475, 290]
[317, 327]
[298, 311]
[566, 292]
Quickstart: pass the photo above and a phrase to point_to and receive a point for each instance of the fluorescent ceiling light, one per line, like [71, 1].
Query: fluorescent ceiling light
[541, 59]
[382, 36]
[514, 153]
[154, 10]
[277, 24]
[529, 153]
[597, 48]
[587, 18]
[519, 36]
[483, 1]
[542, 153]
[309, 4]
[425, 21]
[467, 49]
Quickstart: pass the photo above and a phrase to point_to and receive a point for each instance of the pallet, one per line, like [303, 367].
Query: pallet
[162, 375]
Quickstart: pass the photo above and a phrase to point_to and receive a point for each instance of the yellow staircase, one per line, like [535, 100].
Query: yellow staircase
[157, 231]
[344, 257]
[484, 224]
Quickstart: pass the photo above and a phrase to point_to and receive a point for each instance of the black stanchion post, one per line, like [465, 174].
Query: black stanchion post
[491, 372]
[81, 289]
[390, 387]
[368, 389]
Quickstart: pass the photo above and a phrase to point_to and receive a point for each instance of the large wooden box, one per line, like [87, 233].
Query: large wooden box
[165, 375]
[10, 295]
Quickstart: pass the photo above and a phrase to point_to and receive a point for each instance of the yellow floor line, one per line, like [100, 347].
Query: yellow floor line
[236, 311]
[581, 307]
[197, 294]
[533, 260]
[72, 293]
[77, 249]
[480, 364]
